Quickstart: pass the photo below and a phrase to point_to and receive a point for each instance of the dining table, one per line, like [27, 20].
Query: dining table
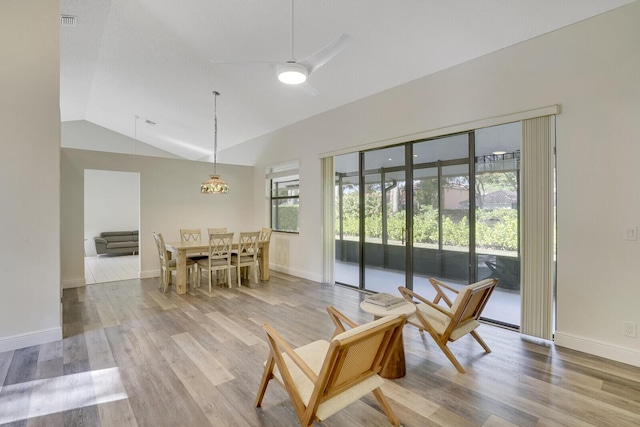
[179, 250]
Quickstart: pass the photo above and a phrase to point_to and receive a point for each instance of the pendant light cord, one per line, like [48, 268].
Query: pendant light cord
[215, 131]
[292, 57]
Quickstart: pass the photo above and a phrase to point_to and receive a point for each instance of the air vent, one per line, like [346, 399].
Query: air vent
[67, 21]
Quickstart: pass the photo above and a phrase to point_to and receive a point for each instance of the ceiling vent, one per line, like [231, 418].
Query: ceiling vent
[67, 21]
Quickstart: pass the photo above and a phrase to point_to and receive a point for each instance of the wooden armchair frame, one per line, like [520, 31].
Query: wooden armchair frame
[322, 377]
[458, 318]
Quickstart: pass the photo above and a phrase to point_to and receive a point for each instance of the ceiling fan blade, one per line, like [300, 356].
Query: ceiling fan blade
[322, 56]
[307, 88]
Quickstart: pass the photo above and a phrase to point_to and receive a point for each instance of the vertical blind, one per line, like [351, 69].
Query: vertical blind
[537, 226]
[328, 221]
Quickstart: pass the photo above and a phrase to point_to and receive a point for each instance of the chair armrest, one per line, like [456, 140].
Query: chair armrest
[101, 245]
[286, 348]
[409, 295]
[338, 319]
[437, 285]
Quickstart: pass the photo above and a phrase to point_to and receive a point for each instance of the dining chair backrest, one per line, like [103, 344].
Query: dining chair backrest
[162, 250]
[248, 243]
[216, 230]
[220, 246]
[265, 234]
[190, 235]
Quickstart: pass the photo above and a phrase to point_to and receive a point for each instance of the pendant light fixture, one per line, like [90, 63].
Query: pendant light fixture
[215, 185]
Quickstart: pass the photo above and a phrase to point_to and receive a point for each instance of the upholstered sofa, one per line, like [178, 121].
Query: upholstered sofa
[117, 242]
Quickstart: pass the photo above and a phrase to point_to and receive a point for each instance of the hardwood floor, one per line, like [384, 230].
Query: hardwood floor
[110, 268]
[133, 355]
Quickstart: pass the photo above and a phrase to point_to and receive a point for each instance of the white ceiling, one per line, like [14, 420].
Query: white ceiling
[159, 60]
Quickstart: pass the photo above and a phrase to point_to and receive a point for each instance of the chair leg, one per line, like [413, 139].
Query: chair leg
[484, 345]
[450, 356]
[384, 403]
[264, 382]
[167, 276]
[238, 274]
[255, 273]
[227, 274]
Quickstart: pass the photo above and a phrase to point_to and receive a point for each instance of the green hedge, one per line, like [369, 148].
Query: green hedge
[287, 218]
[495, 229]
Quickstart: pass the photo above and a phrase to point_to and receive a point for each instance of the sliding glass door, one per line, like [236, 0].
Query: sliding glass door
[445, 208]
[440, 212]
[384, 217]
[497, 192]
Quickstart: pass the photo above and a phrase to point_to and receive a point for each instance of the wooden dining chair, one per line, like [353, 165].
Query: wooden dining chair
[247, 254]
[458, 318]
[219, 258]
[324, 377]
[168, 266]
[265, 237]
[217, 230]
[192, 235]
[221, 273]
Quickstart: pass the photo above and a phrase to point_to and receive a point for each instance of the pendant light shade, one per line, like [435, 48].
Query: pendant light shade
[214, 185]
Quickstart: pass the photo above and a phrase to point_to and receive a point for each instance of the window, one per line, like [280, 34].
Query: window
[284, 197]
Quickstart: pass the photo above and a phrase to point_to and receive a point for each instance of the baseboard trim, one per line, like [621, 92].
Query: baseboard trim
[597, 348]
[146, 274]
[294, 272]
[77, 283]
[27, 340]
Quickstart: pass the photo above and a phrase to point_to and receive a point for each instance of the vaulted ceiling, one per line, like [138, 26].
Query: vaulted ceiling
[128, 64]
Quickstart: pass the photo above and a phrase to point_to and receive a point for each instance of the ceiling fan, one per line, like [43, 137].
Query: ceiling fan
[293, 72]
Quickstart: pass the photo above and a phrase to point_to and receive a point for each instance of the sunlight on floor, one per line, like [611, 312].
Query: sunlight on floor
[58, 394]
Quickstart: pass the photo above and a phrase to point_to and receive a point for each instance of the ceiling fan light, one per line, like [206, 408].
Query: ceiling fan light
[292, 74]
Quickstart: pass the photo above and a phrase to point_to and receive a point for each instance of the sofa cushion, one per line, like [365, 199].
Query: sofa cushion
[129, 244]
[120, 236]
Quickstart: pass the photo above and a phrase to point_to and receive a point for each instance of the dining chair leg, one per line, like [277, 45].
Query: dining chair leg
[227, 274]
[238, 274]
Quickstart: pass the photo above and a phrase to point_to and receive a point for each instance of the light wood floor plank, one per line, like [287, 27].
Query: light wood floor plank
[164, 302]
[409, 399]
[117, 413]
[5, 362]
[210, 367]
[234, 329]
[213, 403]
[98, 349]
[133, 355]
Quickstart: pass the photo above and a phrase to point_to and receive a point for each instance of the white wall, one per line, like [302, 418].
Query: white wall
[29, 173]
[170, 199]
[104, 190]
[591, 70]
[85, 135]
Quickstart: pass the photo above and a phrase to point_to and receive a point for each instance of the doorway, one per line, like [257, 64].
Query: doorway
[111, 203]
